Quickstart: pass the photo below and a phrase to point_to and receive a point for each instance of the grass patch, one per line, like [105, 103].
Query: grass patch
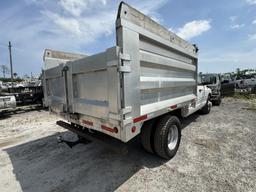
[244, 96]
[251, 98]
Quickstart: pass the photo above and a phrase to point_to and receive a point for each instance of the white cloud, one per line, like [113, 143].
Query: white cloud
[233, 18]
[237, 26]
[85, 28]
[234, 24]
[91, 19]
[254, 21]
[192, 29]
[68, 24]
[251, 2]
[252, 37]
[76, 7]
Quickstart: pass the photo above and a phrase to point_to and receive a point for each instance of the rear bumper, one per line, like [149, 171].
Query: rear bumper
[96, 136]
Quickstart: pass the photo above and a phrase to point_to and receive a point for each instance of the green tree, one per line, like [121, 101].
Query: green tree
[4, 69]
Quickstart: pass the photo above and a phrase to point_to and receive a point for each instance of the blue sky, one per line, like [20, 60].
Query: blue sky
[224, 30]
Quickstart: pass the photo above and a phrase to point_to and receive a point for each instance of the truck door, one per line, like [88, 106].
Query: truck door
[200, 91]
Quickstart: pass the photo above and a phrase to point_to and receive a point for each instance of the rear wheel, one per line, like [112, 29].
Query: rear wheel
[167, 136]
[147, 135]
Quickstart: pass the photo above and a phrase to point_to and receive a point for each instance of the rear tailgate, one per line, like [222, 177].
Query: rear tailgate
[88, 86]
[55, 94]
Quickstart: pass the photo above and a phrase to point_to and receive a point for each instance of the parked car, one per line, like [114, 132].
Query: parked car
[213, 81]
[246, 81]
[227, 85]
[250, 81]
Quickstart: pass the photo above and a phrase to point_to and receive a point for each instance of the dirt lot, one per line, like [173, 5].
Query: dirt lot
[217, 153]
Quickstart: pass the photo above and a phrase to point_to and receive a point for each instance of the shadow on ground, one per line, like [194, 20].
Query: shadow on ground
[44, 165]
[190, 119]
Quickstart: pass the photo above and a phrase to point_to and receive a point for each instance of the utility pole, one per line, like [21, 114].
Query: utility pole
[10, 53]
[4, 70]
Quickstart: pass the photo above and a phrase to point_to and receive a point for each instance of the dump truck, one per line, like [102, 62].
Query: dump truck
[143, 85]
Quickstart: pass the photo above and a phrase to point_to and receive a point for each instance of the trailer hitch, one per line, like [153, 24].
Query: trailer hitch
[71, 144]
[105, 140]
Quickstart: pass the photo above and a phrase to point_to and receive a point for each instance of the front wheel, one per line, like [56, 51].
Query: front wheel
[167, 136]
[218, 102]
[207, 107]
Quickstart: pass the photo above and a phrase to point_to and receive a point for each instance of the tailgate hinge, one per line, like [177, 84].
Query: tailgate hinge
[125, 57]
[126, 110]
[125, 67]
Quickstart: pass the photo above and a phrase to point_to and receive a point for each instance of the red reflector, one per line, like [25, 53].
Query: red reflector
[87, 122]
[173, 107]
[112, 130]
[134, 129]
[137, 119]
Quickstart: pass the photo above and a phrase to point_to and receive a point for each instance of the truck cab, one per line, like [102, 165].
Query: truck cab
[202, 101]
[213, 81]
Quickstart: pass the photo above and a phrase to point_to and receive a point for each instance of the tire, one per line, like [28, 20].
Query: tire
[168, 128]
[147, 135]
[207, 107]
[218, 102]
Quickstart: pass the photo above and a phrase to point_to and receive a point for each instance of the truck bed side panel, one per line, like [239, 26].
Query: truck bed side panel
[163, 66]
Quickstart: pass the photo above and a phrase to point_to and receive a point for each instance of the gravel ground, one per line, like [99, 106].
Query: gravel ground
[217, 153]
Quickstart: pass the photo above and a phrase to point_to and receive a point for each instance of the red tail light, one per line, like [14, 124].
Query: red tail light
[134, 129]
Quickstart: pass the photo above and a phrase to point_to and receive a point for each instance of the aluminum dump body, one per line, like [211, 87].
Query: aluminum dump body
[149, 72]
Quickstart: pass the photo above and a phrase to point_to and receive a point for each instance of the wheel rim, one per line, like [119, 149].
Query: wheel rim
[172, 137]
[208, 105]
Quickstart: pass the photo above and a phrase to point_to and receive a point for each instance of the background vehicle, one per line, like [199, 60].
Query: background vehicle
[246, 82]
[27, 94]
[227, 85]
[213, 81]
[249, 81]
[141, 85]
[7, 102]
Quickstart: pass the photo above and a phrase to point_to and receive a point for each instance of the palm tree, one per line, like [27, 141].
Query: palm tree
[15, 75]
